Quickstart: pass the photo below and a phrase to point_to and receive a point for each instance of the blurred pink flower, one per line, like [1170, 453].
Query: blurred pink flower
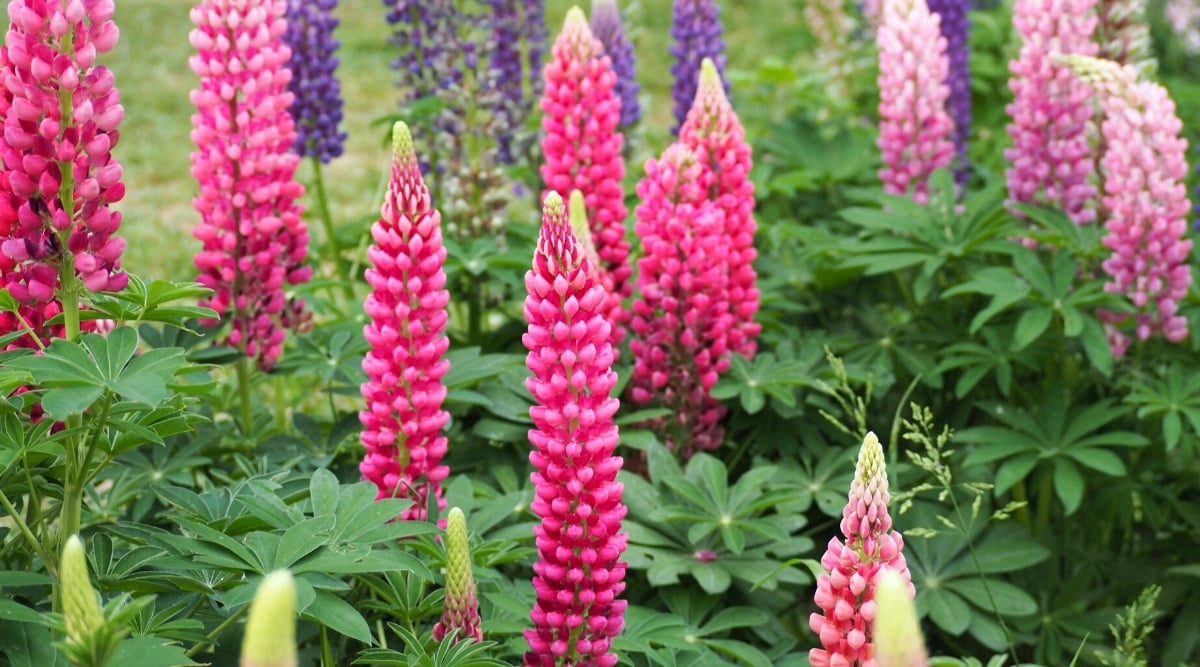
[1051, 159]
[682, 315]
[914, 126]
[846, 594]
[581, 146]
[579, 573]
[714, 133]
[403, 422]
[254, 241]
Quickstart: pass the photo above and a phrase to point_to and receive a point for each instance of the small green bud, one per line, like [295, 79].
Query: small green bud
[270, 639]
[81, 606]
[577, 214]
[897, 633]
[461, 611]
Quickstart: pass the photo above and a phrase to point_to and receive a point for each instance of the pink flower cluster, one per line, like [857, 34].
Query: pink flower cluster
[914, 125]
[1145, 200]
[579, 574]
[403, 422]
[1051, 159]
[60, 111]
[582, 147]
[682, 316]
[846, 594]
[255, 243]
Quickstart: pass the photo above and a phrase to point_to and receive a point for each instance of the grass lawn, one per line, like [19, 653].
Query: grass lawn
[152, 73]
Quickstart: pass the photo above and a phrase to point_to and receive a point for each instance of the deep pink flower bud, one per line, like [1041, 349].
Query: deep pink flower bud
[845, 595]
[54, 193]
[579, 573]
[403, 419]
[248, 194]
[914, 125]
[682, 315]
[581, 145]
[714, 133]
[1051, 159]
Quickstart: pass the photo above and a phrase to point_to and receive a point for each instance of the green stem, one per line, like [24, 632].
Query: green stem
[1045, 498]
[984, 580]
[332, 248]
[211, 637]
[51, 564]
[243, 375]
[475, 312]
[281, 403]
[326, 650]
[1022, 496]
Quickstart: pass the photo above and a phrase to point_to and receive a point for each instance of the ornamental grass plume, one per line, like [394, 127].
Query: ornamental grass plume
[914, 125]
[403, 420]
[1145, 200]
[254, 241]
[606, 26]
[682, 315]
[696, 34]
[896, 631]
[270, 639]
[58, 179]
[1051, 157]
[581, 145]
[317, 94]
[956, 26]
[461, 609]
[713, 131]
[579, 575]
[846, 595]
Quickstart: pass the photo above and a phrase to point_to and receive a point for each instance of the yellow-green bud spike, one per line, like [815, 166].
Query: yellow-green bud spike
[402, 142]
[577, 213]
[270, 639]
[709, 76]
[461, 610]
[896, 633]
[81, 607]
[870, 459]
[552, 205]
[576, 19]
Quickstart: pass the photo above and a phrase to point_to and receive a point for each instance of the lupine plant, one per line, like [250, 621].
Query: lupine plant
[181, 486]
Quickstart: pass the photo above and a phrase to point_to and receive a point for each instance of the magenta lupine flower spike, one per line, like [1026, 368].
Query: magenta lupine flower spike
[579, 574]
[1051, 158]
[1145, 198]
[914, 125]
[713, 131]
[581, 145]
[681, 318]
[255, 243]
[60, 111]
[846, 595]
[403, 422]
[461, 608]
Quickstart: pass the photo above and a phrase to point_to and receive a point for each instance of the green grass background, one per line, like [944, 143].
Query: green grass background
[150, 64]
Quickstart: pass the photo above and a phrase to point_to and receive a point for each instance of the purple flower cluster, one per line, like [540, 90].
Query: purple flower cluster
[955, 28]
[606, 27]
[317, 105]
[697, 33]
[428, 33]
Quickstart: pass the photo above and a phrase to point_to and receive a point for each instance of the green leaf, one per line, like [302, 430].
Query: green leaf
[1101, 460]
[753, 399]
[1010, 600]
[1068, 484]
[711, 577]
[148, 651]
[1030, 326]
[28, 645]
[339, 616]
[1095, 346]
[945, 609]
[11, 610]
[1014, 470]
[323, 492]
[736, 617]
[302, 539]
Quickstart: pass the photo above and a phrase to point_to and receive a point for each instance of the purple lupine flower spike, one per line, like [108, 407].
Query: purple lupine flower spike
[533, 23]
[696, 32]
[606, 26]
[317, 105]
[955, 28]
[506, 64]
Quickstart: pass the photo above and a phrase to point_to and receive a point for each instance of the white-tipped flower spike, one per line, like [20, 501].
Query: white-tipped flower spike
[270, 639]
[896, 633]
[81, 607]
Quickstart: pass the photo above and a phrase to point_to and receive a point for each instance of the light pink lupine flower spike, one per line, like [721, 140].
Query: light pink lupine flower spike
[1051, 158]
[403, 422]
[714, 133]
[59, 113]
[581, 146]
[579, 574]
[1145, 199]
[846, 594]
[682, 314]
[914, 125]
[255, 243]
